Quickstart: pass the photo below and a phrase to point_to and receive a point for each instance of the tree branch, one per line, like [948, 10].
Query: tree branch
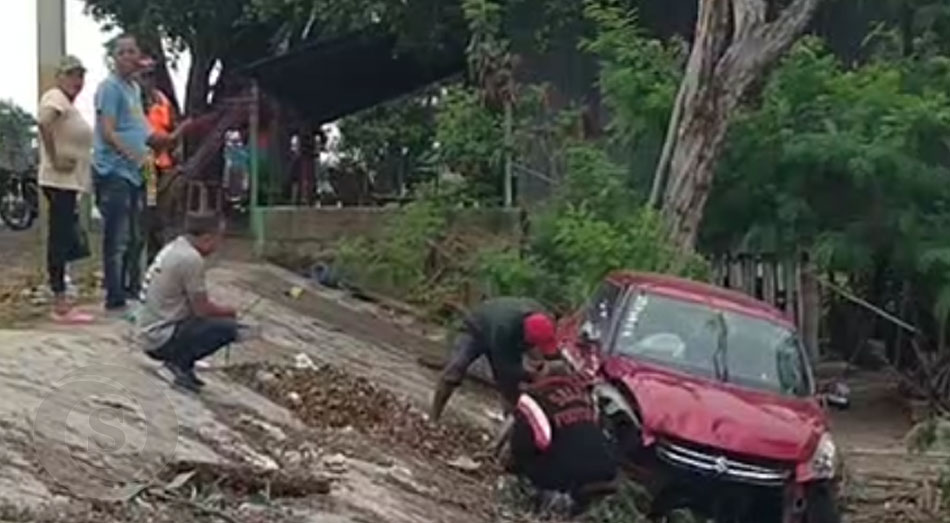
[780, 34]
[747, 16]
[765, 43]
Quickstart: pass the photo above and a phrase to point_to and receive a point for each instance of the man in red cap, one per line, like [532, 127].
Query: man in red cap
[503, 330]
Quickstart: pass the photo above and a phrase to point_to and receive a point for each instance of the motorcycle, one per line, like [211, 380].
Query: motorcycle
[19, 199]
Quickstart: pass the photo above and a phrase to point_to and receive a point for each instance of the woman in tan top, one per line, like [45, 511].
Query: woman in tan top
[66, 153]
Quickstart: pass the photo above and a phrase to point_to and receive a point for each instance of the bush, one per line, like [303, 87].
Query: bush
[395, 261]
[593, 225]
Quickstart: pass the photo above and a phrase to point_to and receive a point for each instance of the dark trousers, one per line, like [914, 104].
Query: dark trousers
[61, 239]
[508, 375]
[120, 204]
[196, 339]
[164, 219]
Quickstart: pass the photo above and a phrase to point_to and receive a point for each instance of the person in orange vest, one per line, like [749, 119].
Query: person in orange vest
[164, 187]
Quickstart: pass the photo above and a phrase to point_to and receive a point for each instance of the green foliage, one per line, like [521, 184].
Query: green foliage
[470, 141]
[594, 224]
[627, 505]
[394, 137]
[418, 24]
[17, 131]
[639, 75]
[852, 162]
[187, 23]
[396, 261]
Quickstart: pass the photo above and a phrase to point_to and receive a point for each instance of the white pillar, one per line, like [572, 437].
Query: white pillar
[50, 48]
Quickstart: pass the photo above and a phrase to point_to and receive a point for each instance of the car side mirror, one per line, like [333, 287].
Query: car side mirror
[836, 395]
[589, 336]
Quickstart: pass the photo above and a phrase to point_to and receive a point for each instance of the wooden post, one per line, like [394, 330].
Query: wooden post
[735, 273]
[810, 305]
[509, 177]
[257, 218]
[768, 281]
[791, 290]
[50, 48]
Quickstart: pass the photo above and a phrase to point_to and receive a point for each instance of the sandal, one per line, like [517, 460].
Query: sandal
[73, 317]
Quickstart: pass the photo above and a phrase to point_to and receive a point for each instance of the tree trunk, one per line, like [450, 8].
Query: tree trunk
[196, 97]
[152, 45]
[732, 47]
[196, 91]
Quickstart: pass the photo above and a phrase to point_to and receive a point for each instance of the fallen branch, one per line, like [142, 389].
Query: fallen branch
[193, 505]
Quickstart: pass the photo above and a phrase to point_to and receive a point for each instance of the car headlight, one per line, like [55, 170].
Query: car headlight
[824, 461]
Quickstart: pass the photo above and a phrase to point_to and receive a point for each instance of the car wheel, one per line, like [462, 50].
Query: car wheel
[821, 506]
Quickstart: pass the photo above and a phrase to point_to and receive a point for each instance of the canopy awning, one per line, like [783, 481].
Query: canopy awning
[326, 80]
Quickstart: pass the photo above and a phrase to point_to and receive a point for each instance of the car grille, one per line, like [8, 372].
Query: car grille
[711, 464]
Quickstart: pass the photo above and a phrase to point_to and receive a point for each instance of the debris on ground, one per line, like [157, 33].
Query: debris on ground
[325, 397]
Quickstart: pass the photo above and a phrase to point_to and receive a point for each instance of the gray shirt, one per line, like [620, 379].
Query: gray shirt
[176, 276]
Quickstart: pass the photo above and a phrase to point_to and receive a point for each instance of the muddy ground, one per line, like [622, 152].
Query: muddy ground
[318, 419]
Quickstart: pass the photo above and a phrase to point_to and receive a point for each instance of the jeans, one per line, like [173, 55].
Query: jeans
[120, 204]
[61, 239]
[197, 338]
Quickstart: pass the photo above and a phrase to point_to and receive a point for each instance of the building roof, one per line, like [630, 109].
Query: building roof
[328, 79]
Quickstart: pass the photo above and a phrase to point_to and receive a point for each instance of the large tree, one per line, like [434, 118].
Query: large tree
[17, 131]
[735, 41]
[209, 30]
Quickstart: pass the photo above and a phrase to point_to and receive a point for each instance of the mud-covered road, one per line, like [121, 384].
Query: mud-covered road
[387, 464]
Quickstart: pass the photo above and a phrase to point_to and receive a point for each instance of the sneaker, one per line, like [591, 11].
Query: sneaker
[189, 382]
[174, 369]
[155, 354]
[196, 379]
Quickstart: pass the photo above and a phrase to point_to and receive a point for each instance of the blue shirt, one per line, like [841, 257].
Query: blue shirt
[120, 100]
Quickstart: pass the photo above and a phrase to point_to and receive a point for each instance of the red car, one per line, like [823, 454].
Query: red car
[711, 399]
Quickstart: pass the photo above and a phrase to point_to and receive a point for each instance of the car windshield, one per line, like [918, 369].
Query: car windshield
[718, 344]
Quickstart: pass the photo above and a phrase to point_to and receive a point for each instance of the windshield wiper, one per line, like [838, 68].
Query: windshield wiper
[720, 355]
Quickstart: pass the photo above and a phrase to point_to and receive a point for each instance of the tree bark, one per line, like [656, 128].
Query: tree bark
[196, 97]
[732, 47]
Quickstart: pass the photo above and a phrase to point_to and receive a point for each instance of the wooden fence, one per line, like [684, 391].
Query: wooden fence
[786, 282]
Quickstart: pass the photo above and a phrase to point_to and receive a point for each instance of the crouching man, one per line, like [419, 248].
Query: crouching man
[556, 442]
[178, 323]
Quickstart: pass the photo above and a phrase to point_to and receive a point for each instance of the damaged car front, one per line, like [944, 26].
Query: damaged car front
[710, 397]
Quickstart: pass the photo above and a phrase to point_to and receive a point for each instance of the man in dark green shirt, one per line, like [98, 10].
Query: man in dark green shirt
[503, 330]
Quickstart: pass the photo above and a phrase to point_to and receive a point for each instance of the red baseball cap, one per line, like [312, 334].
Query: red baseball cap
[539, 331]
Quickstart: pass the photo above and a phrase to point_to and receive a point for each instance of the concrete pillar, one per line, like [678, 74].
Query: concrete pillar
[50, 48]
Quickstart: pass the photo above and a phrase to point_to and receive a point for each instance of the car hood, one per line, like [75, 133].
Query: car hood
[735, 420]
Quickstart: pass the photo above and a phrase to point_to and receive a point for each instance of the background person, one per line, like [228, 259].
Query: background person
[64, 174]
[165, 190]
[178, 323]
[501, 329]
[122, 137]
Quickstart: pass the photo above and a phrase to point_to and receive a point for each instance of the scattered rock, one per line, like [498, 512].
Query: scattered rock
[294, 398]
[465, 463]
[263, 376]
[336, 464]
[303, 362]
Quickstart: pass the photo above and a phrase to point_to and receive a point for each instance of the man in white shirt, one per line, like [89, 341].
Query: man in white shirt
[178, 323]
